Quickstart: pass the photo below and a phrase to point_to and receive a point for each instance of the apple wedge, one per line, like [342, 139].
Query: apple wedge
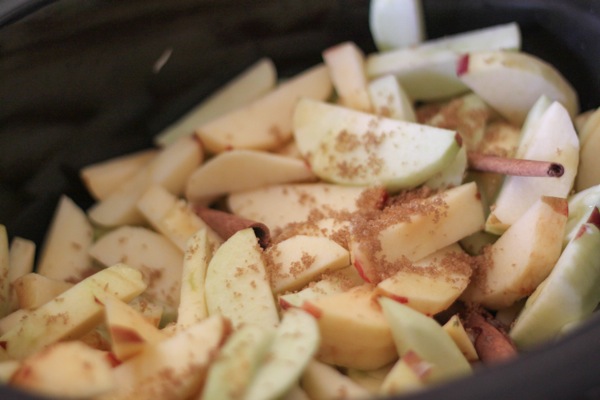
[428, 71]
[238, 170]
[432, 284]
[237, 285]
[455, 328]
[346, 65]
[32, 290]
[396, 24]
[589, 165]
[252, 83]
[415, 332]
[354, 332]
[173, 217]
[192, 299]
[301, 201]
[159, 260]
[407, 375]
[21, 256]
[64, 254]
[581, 206]
[67, 370]
[171, 168]
[522, 257]
[568, 295]
[324, 382]
[511, 82]
[337, 281]
[412, 230]
[295, 342]
[390, 100]
[265, 123]
[103, 178]
[237, 363]
[555, 141]
[174, 368]
[296, 261]
[350, 147]
[129, 330]
[5, 284]
[73, 313]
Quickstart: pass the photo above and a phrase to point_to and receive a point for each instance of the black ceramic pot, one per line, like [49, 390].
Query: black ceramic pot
[77, 86]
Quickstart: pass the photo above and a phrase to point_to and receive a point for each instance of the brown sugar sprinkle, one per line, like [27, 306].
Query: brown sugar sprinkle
[367, 225]
[347, 142]
[482, 264]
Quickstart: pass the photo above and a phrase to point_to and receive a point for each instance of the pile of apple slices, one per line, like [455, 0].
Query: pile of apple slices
[385, 264]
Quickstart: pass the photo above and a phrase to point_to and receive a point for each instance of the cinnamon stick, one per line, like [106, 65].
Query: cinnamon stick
[491, 343]
[226, 224]
[514, 166]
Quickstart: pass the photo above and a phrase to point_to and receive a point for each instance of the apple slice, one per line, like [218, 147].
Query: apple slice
[511, 82]
[451, 176]
[522, 257]
[589, 165]
[266, 123]
[173, 217]
[237, 170]
[468, 115]
[432, 284]
[407, 375]
[159, 260]
[73, 313]
[192, 300]
[568, 295]
[529, 126]
[355, 148]
[170, 168]
[346, 65]
[354, 332]
[581, 207]
[428, 71]
[64, 255]
[390, 100]
[322, 381]
[237, 285]
[457, 332]
[5, 284]
[129, 330]
[296, 261]
[415, 332]
[87, 374]
[252, 83]
[21, 257]
[412, 230]
[301, 201]
[103, 178]
[175, 368]
[555, 141]
[295, 342]
[396, 24]
[372, 379]
[32, 290]
[337, 281]
[239, 359]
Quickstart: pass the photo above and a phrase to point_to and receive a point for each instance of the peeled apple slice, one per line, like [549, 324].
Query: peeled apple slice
[355, 148]
[395, 24]
[511, 82]
[569, 294]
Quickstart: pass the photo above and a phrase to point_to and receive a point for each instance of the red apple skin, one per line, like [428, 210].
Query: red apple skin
[462, 67]
[594, 218]
[361, 271]
[421, 368]
[124, 334]
[284, 304]
[312, 309]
